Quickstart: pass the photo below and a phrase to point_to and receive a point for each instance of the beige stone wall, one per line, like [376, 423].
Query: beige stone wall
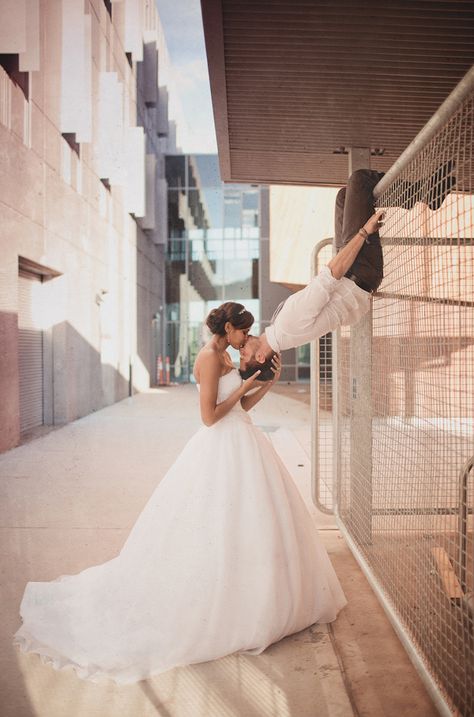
[300, 217]
[54, 210]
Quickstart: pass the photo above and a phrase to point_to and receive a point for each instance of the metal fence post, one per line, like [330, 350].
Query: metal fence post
[315, 395]
[360, 401]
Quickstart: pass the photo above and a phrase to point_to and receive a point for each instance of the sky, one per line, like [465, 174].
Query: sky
[182, 24]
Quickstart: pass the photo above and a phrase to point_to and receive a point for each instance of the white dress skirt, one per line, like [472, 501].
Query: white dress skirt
[224, 558]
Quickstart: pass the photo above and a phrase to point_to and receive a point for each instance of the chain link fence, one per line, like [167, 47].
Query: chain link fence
[394, 449]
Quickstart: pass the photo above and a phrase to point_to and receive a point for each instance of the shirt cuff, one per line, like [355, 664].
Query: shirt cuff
[327, 279]
[271, 338]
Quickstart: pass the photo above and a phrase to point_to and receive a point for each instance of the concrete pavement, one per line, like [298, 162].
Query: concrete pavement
[69, 499]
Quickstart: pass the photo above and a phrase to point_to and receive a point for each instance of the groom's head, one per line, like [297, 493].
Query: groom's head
[254, 356]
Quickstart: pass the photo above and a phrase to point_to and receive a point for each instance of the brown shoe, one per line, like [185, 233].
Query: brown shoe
[431, 190]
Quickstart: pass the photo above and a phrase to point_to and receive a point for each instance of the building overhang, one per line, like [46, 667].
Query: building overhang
[296, 84]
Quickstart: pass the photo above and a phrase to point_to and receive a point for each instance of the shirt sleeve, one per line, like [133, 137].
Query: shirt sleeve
[295, 323]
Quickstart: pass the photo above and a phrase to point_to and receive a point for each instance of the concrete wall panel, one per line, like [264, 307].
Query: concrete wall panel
[57, 212]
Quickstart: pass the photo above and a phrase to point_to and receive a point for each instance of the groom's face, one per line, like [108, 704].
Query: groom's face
[247, 352]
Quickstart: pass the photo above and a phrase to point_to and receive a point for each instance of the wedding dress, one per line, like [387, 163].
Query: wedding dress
[223, 558]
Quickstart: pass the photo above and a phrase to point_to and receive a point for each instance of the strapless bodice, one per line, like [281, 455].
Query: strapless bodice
[228, 383]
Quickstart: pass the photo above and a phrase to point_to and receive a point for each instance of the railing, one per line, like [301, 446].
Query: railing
[464, 512]
[321, 410]
[403, 408]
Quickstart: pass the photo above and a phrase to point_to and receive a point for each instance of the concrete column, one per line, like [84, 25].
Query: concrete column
[359, 158]
[9, 372]
[271, 293]
[360, 401]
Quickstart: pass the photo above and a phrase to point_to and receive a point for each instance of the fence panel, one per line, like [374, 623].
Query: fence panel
[322, 404]
[406, 495]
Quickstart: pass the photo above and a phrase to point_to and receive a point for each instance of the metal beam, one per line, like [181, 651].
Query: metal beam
[451, 104]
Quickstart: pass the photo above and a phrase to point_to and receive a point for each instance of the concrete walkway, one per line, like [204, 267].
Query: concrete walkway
[68, 500]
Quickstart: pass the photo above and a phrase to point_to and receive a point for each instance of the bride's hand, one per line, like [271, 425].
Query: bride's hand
[276, 367]
[249, 383]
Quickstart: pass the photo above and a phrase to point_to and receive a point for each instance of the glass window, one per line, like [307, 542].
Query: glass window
[214, 233]
[212, 253]
[240, 280]
[214, 248]
[304, 354]
[176, 216]
[251, 232]
[232, 209]
[205, 211]
[250, 200]
[197, 249]
[176, 250]
[196, 234]
[172, 312]
[175, 170]
[207, 167]
[254, 249]
[212, 199]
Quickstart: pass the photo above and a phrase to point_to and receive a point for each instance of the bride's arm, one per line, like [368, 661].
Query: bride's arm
[211, 411]
[248, 402]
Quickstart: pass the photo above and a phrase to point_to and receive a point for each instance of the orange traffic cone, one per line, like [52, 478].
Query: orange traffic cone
[159, 370]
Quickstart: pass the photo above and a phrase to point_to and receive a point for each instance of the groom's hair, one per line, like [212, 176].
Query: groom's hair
[265, 368]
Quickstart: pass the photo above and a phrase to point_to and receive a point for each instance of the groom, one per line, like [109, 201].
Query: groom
[340, 294]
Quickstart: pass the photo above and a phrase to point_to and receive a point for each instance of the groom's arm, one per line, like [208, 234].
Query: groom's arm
[307, 314]
[342, 262]
[294, 324]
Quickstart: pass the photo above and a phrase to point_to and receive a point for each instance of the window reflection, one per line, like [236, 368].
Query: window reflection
[207, 165]
[212, 252]
[175, 171]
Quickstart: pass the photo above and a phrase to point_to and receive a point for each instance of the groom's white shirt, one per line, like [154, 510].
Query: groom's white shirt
[322, 306]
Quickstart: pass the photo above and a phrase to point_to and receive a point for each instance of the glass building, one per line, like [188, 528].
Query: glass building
[212, 253]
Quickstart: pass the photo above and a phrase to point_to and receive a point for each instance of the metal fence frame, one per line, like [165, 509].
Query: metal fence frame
[314, 392]
[442, 116]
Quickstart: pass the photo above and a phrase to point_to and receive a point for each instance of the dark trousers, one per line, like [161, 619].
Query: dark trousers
[354, 205]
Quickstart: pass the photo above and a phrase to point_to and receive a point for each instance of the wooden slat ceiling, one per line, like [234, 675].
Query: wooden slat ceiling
[295, 83]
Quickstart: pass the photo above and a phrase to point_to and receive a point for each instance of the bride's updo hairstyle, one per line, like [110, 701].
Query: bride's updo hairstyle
[231, 312]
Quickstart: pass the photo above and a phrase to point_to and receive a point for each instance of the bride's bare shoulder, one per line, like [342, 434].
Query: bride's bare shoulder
[207, 359]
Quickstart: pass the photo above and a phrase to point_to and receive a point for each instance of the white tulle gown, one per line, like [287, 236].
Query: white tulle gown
[223, 558]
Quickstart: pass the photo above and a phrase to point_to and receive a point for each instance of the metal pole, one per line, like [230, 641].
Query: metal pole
[462, 521]
[315, 379]
[437, 122]
[360, 357]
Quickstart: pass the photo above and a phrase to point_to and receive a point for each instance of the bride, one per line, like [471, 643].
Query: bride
[223, 558]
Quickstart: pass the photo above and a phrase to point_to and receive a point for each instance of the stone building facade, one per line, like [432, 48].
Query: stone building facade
[86, 118]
